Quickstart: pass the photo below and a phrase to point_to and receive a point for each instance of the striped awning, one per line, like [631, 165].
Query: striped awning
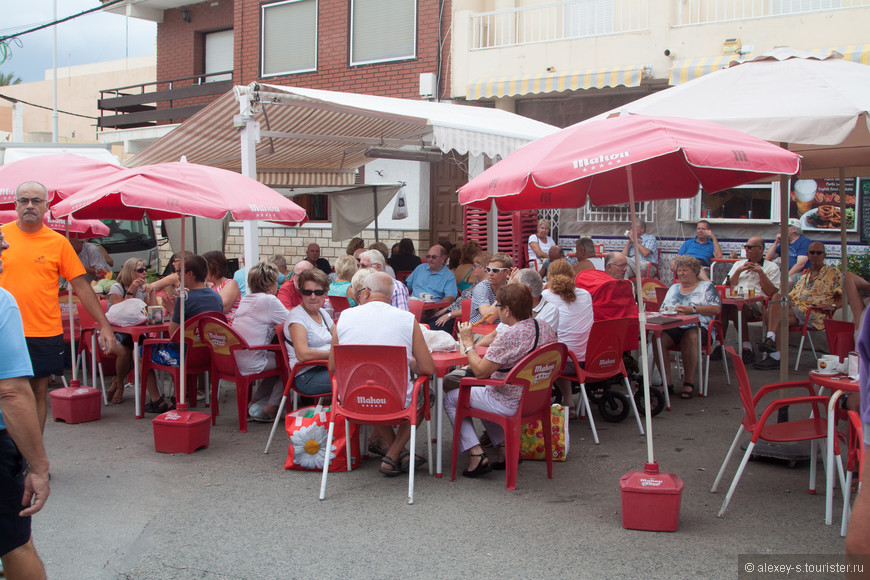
[692, 68]
[310, 137]
[629, 76]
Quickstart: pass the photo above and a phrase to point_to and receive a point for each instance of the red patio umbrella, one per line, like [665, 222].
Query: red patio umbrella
[63, 175]
[178, 190]
[82, 228]
[624, 160]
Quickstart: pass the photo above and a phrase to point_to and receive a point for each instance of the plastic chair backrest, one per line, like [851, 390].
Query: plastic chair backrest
[661, 292]
[198, 353]
[224, 342]
[744, 388]
[466, 310]
[599, 249]
[536, 373]
[841, 337]
[416, 308]
[606, 345]
[370, 379]
[402, 275]
[648, 287]
[339, 303]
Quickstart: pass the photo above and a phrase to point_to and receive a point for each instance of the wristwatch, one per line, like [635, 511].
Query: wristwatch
[467, 348]
[694, 310]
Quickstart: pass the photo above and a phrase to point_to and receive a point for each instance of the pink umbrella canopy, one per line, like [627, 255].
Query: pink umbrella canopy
[178, 189]
[63, 175]
[669, 158]
[82, 228]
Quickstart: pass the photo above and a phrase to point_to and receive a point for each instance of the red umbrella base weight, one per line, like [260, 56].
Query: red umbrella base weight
[181, 431]
[76, 404]
[651, 500]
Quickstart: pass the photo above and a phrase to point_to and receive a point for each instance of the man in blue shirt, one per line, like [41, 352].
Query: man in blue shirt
[704, 247]
[798, 244]
[433, 277]
[21, 494]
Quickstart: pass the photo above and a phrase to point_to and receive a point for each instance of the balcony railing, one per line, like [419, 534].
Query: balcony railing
[694, 12]
[160, 102]
[558, 21]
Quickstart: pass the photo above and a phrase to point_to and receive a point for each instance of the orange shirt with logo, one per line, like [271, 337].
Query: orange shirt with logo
[32, 267]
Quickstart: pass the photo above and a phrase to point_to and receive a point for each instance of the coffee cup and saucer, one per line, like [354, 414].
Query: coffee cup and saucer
[828, 364]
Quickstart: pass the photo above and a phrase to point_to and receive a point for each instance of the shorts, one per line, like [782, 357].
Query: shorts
[677, 334]
[801, 316]
[315, 381]
[14, 530]
[46, 355]
[124, 339]
[756, 309]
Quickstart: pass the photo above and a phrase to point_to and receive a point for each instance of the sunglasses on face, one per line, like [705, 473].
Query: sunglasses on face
[748, 247]
[495, 270]
[317, 292]
[141, 270]
[25, 201]
[815, 252]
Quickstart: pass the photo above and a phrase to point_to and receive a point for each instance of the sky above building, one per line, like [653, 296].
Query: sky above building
[91, 38]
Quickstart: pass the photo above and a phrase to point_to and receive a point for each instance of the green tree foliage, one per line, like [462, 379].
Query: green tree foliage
[9, 79]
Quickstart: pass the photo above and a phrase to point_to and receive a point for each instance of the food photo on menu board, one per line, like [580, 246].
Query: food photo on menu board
[816, 202]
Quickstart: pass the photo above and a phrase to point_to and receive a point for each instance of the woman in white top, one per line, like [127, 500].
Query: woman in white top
[131, 284]
[258, 313]
[541, 242]
[575, 319]
[309, 333]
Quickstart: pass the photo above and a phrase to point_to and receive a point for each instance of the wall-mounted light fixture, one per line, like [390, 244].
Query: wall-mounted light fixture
[185, 14]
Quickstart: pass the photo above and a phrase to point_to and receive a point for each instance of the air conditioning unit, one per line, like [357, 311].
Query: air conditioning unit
[428, 85]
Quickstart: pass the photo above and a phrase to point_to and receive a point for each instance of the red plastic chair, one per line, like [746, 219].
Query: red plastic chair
[402, 275]
[223, 342]
[854, 462]
[603, 361]
[805, 329]
[464, 315]
[196, 354]
[339, 305]
[810, 429]
[661, 292]
[87, 347]
[370, 387]
[536, 373]
[416, 308]
[841, 337]
[648, 286]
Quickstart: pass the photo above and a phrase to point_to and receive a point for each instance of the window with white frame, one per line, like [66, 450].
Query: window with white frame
[289, 37]
[751, 202]
[589, 18]
[382, 30]
[615, 213]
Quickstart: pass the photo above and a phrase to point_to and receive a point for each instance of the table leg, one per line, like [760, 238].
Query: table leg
[739, 332]
[439, 405]
[664, 376]
[702, 387]
[829, 461]
[138, 406]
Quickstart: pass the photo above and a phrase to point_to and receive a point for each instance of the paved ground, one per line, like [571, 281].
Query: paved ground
[118, 509]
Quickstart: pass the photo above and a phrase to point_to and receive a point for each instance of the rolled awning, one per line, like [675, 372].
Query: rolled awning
[629, 76]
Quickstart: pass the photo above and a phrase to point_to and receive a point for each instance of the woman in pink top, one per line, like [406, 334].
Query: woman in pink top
[231, 296]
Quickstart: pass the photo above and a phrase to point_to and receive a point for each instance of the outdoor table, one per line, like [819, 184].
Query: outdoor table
[657, 328]
[839, 384]
[485, 329]
[135, 331]
[443, 362]
[434, 304]
[739, 300]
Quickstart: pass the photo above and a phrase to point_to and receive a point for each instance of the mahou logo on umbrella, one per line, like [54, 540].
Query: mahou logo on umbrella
[608, 157]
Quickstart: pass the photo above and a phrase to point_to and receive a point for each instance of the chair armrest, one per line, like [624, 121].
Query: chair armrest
[475, 382]
[421, 387]
[270, 347]
[779, 403]
[772, 387]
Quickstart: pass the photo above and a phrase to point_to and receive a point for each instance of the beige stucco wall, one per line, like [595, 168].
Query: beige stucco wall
[78, 90]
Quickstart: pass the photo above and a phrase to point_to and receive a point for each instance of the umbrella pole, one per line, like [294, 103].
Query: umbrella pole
[181, 403]
[784, 202]
[641, 316]
[844, 260]
[72, 334]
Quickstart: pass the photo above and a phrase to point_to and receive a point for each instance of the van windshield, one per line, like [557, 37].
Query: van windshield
[128, 236]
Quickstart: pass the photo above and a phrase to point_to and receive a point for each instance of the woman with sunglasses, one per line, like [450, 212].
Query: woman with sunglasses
[258, 313]
[445, 318]
[131, 284]
[308, 331]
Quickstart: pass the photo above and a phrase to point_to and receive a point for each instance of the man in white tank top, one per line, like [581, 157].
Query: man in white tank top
[375, 321]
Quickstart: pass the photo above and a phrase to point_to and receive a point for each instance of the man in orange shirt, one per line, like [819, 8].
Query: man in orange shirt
[33, 265]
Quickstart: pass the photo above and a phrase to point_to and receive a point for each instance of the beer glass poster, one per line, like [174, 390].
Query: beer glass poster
[816, 203]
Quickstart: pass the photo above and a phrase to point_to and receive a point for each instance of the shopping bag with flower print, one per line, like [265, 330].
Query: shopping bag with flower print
[532, 437]
[307, 428]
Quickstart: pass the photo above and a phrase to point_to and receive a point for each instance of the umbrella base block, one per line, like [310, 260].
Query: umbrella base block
[76, 404]
[651, 500]
[181, 431]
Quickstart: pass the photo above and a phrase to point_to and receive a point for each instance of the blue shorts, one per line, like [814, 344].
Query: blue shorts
[14, 530]
[46, 355]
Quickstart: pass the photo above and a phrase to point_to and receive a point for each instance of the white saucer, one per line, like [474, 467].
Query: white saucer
[820, 372]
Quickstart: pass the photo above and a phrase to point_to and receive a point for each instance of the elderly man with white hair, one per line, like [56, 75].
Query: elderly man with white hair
[377, 322]
[288, 293]
[374, 260]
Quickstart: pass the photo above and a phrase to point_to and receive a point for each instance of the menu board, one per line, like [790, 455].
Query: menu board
[816, 202]
[865, 210]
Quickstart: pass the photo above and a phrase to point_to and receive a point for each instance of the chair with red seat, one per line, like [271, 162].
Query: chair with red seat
[197, 359]
[854, 462]
[464, 315]
[87, 346]
[224, 342]
[841, 337]
[370, 387]
[811, 429]
[415, 307]
[715, 338]
[535, 373]
[805, 329]
[603, 361]
[339, 304]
